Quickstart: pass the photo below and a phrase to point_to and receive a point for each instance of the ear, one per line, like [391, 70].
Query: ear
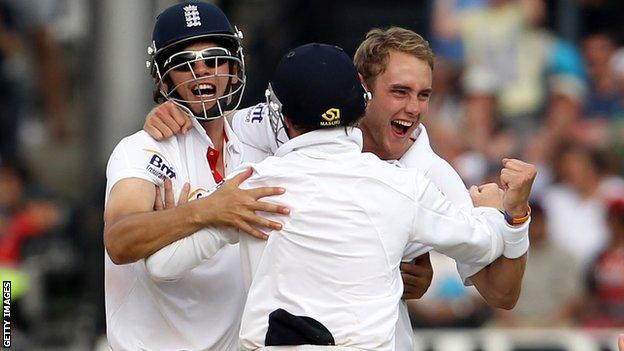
[287, 123]
[362, 81]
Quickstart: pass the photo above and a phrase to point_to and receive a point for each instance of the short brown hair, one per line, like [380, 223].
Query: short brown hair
[371, 57]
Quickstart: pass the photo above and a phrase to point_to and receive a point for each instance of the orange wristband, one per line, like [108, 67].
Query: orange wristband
[517, 220]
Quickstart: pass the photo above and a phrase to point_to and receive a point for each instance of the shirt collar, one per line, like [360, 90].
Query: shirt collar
[420, 154]
[332, 140]
[233, 143]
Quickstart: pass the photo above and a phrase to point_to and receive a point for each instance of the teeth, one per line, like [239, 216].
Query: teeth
[205, 87]
[403, 123]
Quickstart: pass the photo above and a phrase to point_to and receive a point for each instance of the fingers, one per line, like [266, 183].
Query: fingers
[416, 270]
[474, 191]
[621, 342]
[161, 127]
[153, 132]
[487, 187]
[416, 277]
[184, 195]
[240, 178]
[169, 201]
[180, 118]
[158, 203]
[267, 207]
[424, 261]
[514, 164]
[258, 193]
[252, 231]
[171, 116]
[414, 287]
[253, 219]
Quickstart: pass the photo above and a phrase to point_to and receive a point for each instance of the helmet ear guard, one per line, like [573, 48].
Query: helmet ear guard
[276, 117]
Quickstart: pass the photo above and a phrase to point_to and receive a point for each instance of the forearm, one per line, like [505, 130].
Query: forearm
[179, 257]
[138, 235]
[500, 282]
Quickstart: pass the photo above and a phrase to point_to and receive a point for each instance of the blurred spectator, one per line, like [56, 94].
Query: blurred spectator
[444, 40]
[31, 72]
[551, 289]
[575, 204]
[604, 99]
[448, 303]
[21, 217]
[443, 120]
[605, 303]
[501, 38]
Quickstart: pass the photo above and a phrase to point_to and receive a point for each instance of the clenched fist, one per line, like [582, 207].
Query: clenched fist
[487, 195]
[517, 180]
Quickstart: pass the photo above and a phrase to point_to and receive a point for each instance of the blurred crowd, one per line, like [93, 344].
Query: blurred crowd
[507, 86]
[507, 83]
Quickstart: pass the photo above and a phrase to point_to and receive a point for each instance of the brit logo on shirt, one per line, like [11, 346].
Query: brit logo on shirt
[159, 166]
[191, 14]
[255, 114]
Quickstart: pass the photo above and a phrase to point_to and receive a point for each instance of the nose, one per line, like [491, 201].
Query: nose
[201, 68]
[412, 107]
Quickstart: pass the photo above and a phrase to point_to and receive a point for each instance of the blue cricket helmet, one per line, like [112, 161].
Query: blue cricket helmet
[181, 25]
[317, 86]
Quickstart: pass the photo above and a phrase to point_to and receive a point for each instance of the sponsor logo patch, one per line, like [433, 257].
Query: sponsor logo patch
[159, 166]
[255, 114]
[331, 117]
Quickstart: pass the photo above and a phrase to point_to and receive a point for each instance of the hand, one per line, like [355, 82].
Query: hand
[621, 342]
[231, 206]
[166, 120]
[517, 180]
[487, 195]
[416, 276]
[169, 202]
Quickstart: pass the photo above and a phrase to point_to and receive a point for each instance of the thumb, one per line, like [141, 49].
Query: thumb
[474, 190]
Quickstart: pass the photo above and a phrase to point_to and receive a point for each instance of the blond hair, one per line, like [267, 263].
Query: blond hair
[371, 57]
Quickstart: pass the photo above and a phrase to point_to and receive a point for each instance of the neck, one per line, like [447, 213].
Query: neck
[215, 130]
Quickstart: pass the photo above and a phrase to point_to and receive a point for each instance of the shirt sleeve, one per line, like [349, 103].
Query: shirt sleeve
[472, 237]
[137, 157]
[446, 179]
[253, 127]
[172, 261]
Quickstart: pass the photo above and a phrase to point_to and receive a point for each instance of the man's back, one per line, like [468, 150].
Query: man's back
[337, 258]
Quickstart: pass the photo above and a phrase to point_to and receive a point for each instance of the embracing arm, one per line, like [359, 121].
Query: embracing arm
[134, 231]
[478, 238]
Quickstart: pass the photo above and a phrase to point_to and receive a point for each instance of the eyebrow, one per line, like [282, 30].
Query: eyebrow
[405, 87]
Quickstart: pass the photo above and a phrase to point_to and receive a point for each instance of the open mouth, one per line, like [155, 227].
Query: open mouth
[204, 90]
[400, 127]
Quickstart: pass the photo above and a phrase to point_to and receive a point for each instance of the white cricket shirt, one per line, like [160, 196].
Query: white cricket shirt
[199, 310]
[253, 127]
[337, 258]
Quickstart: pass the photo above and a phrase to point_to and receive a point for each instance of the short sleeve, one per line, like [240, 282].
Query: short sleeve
[139, 157]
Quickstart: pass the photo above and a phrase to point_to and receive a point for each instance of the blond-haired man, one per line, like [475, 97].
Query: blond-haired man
[396, 66]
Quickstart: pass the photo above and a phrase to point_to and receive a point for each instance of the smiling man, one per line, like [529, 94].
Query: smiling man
[396, 66]
[197, 64]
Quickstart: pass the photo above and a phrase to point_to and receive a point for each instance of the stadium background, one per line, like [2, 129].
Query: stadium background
[541, 80]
